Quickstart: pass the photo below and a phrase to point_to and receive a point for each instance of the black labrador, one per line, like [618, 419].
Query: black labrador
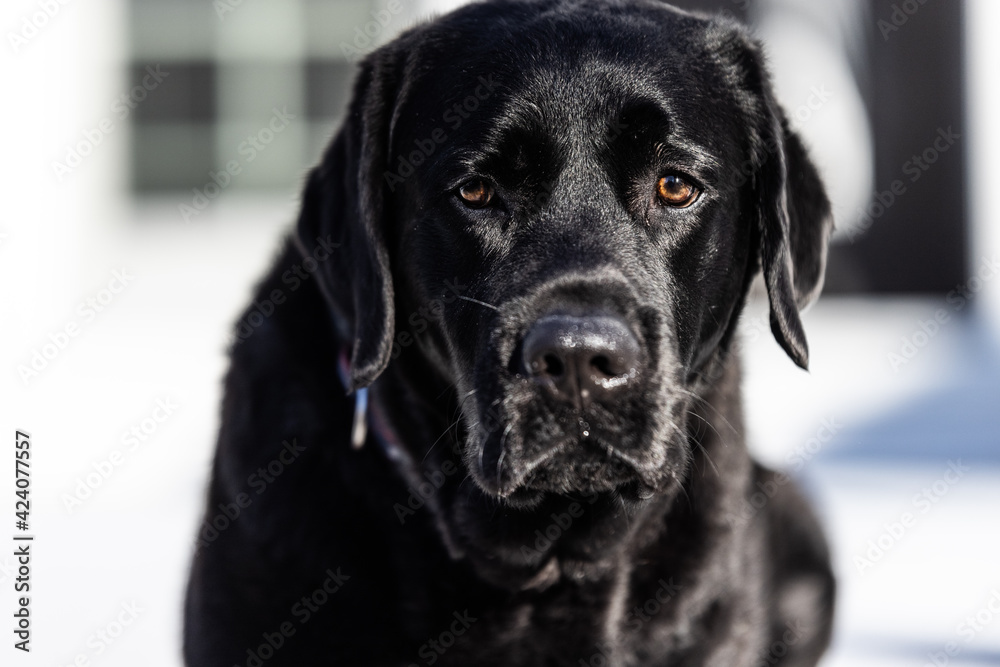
[485, 408]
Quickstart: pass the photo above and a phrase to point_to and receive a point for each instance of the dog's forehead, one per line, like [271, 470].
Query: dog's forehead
[573, 72]
[590, 94]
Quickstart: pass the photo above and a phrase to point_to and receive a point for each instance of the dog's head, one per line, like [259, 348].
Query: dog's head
[562, 205]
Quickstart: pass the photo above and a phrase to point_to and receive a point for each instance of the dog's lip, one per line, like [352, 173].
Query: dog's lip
[636, 466]
[645, 484]
[507, 489]
[547, 575]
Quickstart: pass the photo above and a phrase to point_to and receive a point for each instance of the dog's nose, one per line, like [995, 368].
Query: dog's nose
[581, 358]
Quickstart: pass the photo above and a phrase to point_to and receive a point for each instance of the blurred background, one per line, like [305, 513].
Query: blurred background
[153, 156]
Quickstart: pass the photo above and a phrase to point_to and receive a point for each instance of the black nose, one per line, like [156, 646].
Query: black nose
[581, 358]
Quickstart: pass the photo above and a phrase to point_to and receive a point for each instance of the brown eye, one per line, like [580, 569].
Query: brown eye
[674, 191]
[476, 193]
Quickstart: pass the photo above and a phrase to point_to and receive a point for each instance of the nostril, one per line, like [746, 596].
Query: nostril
[580, 357]
[546, 364]
[553, 365]
[602, 365]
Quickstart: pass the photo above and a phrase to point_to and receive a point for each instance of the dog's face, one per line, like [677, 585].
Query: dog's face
[599, 188]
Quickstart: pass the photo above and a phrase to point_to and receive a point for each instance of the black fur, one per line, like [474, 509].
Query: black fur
[626, 531]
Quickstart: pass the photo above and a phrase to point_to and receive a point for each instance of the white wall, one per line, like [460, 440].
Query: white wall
[58, 86]
[983, 135]
[425, 7]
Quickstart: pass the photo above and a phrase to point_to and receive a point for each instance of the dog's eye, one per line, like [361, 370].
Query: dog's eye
[675, 191]
[476, 193]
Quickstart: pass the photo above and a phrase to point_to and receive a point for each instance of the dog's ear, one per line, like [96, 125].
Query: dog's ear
[793, 216]
[344, 207]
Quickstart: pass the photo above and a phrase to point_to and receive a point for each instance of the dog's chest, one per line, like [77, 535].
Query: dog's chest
[602, 623]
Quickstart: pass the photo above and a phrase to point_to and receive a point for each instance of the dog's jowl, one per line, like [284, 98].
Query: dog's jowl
[508, 363]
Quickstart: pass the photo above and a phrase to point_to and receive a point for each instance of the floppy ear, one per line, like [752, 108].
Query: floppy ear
[793, 218]
[344, 207]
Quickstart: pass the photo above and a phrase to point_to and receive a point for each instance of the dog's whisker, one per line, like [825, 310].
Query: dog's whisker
[465, 397]
[679, 432]
[477, 301]
[482, 448]
[680, 486]
[461, 404]
[456, 421]
[703, 401]
[503, 452]
[628, 519]
[704, 421]
[500, 465]
[698, 442]
[451, 386]
[446, 430]
[506, 432]
[468, 477]
[708, 457]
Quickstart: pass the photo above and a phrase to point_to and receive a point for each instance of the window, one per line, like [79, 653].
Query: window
[242, 80]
